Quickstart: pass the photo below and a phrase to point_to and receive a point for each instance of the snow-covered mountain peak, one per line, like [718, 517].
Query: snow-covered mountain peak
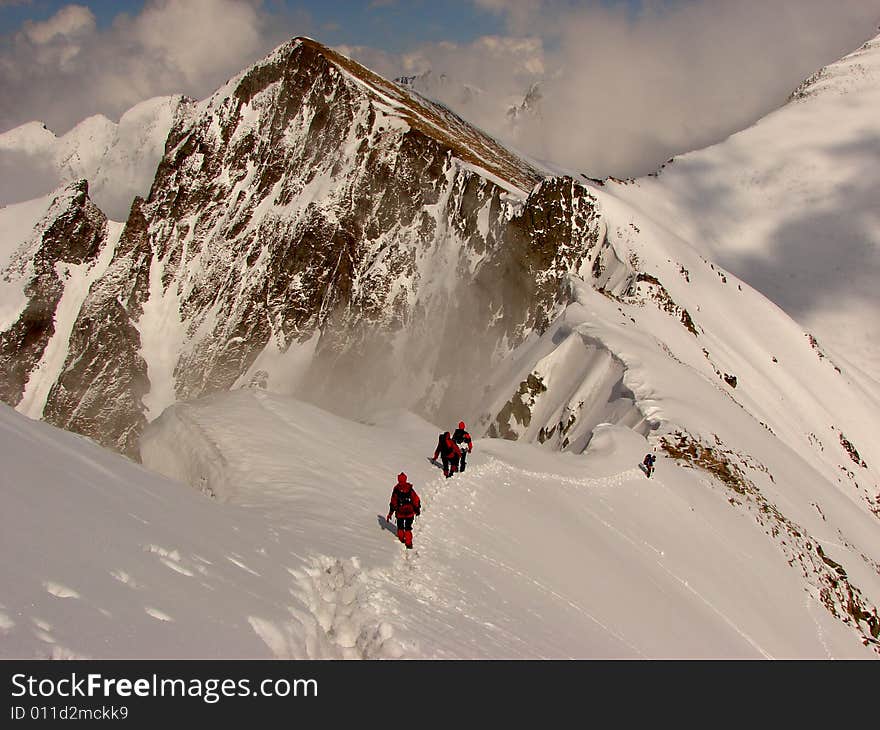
[305, 56]
[856, 72]
[30, 136]
[305, 226]
[118, 159]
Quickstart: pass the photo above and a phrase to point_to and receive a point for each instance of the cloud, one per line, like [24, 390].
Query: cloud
[623, 88]
[66, 68]
[480, 80]
[70, 22]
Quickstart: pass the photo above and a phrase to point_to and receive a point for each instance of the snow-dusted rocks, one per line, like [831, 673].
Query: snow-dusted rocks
[313, 212]
[44, 281]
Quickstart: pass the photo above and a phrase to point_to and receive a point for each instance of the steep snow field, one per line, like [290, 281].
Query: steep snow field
[790, 205]
[527, 554]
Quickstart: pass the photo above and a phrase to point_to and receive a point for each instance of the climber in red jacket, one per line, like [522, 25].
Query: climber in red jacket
[448, 450]
[406, 503]
[463, 439]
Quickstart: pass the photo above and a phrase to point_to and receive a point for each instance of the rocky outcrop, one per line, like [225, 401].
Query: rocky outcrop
[70, 233]
[102, 383]
[311, 201]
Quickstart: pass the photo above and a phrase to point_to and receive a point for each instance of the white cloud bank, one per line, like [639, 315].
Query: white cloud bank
[623, 90]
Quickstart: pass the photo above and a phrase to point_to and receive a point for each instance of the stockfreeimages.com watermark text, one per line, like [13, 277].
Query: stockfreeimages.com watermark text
[96, 685]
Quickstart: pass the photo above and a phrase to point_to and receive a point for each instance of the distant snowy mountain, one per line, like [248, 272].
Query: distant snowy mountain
[118, 160]
[317, 231]
[493, 109]
[791, 206]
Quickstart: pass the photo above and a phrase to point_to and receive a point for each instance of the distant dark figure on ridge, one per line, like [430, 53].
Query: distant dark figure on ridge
[649, 464]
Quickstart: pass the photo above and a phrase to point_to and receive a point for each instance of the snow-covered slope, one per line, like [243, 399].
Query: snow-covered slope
[118, 159]
[527, 554]
[791, 206]
[318, 230]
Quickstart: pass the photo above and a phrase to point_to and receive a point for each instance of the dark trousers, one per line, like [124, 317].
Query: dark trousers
[404, 523]
[462, 463]
[450, 460]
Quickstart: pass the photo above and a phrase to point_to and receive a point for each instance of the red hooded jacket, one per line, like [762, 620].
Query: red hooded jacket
[447, 447]
[404, 500]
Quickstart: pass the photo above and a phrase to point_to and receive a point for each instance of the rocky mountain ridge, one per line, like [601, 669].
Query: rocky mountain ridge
[312, 204]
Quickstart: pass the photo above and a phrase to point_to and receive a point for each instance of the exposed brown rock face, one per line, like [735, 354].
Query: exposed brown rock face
[100, 388]
[310, 198]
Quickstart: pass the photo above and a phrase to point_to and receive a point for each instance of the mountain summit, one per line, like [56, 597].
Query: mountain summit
[311, 213]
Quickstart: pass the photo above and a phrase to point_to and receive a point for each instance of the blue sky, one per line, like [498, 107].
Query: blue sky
[14, 12]
[392, 26]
